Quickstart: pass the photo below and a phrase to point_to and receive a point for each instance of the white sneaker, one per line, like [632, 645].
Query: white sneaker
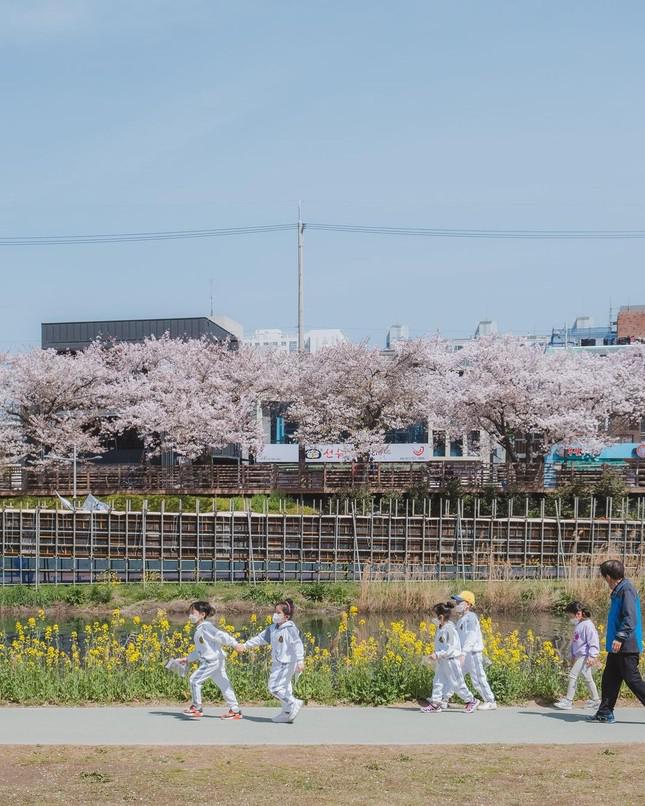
[563, 705]
[283, 716]
[487, 706]
[295, 709]
[595, 704]
[445, 705]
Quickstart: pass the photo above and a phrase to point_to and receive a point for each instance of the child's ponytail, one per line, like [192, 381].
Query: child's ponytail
[288, 608]
[444, 609]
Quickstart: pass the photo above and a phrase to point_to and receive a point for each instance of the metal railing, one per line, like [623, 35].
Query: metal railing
[244, 479]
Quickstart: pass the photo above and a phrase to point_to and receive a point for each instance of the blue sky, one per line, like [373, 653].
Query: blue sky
[122, 116]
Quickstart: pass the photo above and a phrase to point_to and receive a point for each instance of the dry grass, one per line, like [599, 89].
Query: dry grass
[498, 774]
[493, 596]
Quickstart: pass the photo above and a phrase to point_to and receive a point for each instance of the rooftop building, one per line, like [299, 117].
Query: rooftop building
[395, 335]
[74, 336]
[630, 325]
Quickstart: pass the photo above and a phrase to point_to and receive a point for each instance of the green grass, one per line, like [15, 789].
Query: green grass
[175, 503]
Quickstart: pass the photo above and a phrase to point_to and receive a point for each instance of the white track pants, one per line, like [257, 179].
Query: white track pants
[217, 673]
[580, 668]
[449, 679]
[280, 683]
[474, 666]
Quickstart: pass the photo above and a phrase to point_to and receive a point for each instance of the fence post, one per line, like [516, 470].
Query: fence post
[4, 550]
[37, 536]
[542, 514]
[440, 541]
[162, 511]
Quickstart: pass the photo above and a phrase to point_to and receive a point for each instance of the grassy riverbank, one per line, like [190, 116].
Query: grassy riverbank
[504, 597]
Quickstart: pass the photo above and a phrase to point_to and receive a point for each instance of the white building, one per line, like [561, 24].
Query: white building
[273, 339]
[395, 335]
[486, 327]
[317, 339]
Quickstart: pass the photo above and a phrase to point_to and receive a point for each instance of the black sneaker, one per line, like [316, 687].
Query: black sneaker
[605, 719]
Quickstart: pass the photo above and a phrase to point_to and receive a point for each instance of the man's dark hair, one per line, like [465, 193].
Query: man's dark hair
[614, 569]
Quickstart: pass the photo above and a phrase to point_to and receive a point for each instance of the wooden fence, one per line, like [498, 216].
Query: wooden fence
[417, 543]
[226, 479]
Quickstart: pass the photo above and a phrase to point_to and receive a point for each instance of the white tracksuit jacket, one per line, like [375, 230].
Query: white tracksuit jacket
[472, 648]
[287, 651]
[448, 676]
[212, 663]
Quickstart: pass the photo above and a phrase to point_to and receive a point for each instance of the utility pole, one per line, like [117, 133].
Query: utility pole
[301, 326]
[301, 289]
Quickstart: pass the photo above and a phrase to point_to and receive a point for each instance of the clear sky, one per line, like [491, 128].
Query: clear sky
[125, 116]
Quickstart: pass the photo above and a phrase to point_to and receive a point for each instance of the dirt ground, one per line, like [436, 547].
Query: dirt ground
[316, 776]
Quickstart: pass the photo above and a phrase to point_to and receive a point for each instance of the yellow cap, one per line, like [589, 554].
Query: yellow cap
[467, 596]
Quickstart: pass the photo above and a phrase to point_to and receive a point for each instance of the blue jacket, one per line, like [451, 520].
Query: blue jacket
[624, 620]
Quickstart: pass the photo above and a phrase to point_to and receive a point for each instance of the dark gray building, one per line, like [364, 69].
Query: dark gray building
[73, 336]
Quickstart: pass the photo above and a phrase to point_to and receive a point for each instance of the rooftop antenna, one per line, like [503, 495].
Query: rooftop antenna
[211, 297]
[611, 314]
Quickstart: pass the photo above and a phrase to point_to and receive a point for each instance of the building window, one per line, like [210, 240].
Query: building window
[413, 433]
[438, 443]
[277, 428]
[457, 447]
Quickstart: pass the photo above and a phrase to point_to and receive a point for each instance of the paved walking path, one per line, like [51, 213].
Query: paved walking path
[165, 725]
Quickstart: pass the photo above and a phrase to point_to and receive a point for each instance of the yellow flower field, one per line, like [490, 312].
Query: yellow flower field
[123, 661]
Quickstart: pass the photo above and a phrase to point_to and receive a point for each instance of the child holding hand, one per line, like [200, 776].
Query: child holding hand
[287, 658]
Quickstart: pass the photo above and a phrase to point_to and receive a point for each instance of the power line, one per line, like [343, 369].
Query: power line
[168, 235]
[125, 237]
[474, 233]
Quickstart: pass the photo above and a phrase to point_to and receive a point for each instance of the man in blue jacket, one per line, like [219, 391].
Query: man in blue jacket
[624, 641]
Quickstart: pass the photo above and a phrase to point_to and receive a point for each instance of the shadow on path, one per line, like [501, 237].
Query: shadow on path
[184, 718]
[565, 716]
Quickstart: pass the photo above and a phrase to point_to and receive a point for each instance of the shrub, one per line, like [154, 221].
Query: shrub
[75, 595]
[100, 594]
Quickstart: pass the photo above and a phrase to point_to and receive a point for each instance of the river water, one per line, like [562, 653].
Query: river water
[324, 627]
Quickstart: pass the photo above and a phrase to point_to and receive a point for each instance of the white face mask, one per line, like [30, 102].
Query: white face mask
[461, 607]
[573, 621]
[436, 622]
[278, 618]
[194, 618]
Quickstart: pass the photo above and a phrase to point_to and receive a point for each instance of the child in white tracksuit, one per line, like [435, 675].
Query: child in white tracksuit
[448, 675]
[585, 648]
[212, 662]
[472, 648]
[287, 658]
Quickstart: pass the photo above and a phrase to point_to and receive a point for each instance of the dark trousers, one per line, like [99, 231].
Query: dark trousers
[621, 667]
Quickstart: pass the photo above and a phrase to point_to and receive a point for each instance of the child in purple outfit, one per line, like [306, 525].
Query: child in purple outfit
[585, 648]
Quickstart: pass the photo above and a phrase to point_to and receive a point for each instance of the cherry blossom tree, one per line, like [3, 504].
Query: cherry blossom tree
[628, 393]
[354, 393]
[510, 388]
[192, 396]
[51, 403]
